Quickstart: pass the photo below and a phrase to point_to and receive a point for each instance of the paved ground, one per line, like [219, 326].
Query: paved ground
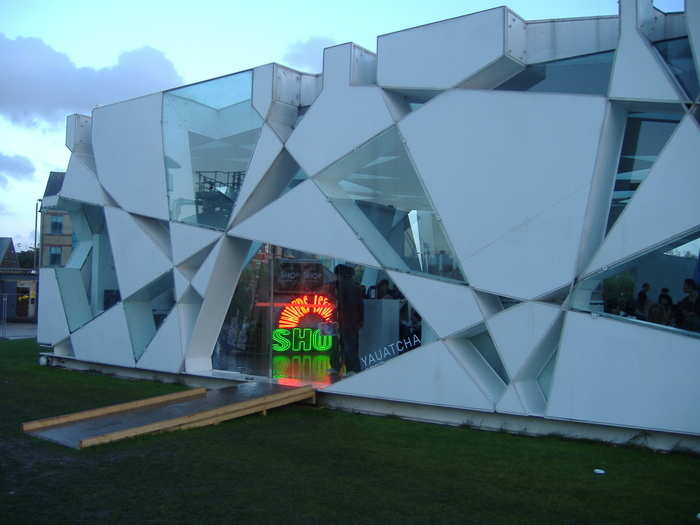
[18, 331]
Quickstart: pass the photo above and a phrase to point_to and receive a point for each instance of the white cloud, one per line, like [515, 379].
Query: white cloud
[307, 55]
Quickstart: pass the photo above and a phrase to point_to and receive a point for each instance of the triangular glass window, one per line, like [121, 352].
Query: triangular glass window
[301, 318]
[588, 74]
[645, 136]
[659, 287]
[210, 131]
[376, 189]
[677, 54]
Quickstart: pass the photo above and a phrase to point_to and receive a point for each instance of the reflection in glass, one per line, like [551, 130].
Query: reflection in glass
[677, 54]
[147, 309]
[378, 193]
[88, 281]
[210, 131]
[660, 287]
[588, 74]
[645, 136]
[303, 318]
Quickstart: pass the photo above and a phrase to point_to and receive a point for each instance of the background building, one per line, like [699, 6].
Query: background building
[18, 290]
[490, 221]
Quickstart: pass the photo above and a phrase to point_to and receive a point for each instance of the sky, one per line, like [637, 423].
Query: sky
[58, 58]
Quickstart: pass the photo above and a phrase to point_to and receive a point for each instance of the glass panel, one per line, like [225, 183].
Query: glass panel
[147, 309]
[645, 136]
[378, 192]
[588, 74]
[210, 131]
[304, 318]
[676, 52]
[659, 287]
[88, 282]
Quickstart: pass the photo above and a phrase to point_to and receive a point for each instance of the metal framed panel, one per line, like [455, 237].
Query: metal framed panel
[129, 241]
[674, 179]
[303, 219]
[447, 307]
[459, 143]
[80, 181]
[615, 373]
[52, 325]
[396, 380]
[165, 353]
[692, 20]
[78, 132]
[549, 40]
[133, 175]
[187, 240]
[105, 339]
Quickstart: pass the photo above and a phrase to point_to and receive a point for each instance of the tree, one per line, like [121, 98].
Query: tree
[25, 258]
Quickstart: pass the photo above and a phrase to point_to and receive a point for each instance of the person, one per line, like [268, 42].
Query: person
[643, 302]
[689, 307]
[350, 308]
[666, 305]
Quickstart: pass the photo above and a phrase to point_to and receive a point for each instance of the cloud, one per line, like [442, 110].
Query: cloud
[42, 84]
[307, 55]
[16, 167]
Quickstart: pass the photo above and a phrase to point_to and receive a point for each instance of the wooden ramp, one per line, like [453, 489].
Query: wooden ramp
[189, 409]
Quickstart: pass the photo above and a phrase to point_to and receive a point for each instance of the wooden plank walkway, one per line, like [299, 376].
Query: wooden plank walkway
[183, 410]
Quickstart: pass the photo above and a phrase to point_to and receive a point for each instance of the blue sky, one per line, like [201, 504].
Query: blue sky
[59, 58]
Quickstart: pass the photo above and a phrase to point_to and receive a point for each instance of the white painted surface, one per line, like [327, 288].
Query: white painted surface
[427, 375]
[613, 372]
[302, 219]
[515, 236]
[128, 144]
[181, 283]
[52, 325]
[673, 178]
[80, 181]
[188, 240]
[268, 147]
[510, 402]
[557, 39]
[105, 339]
[165, 353]
[137, 260]
[78, 131]
[442, 54]
[639, 72]
[519, 330]
[262, 89]
[469, 358]
[342, 118]
[446, 307]
[203, 276]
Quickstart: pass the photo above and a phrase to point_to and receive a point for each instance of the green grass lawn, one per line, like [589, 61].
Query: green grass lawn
[313, 465]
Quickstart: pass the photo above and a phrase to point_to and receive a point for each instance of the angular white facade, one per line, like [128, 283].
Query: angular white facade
[490, 215]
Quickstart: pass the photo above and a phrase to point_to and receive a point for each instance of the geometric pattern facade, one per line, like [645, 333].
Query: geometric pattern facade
[480, 216]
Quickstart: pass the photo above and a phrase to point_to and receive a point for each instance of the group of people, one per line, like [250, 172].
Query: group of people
[684, 314]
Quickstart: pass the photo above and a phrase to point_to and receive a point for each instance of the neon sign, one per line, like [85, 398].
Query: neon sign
[291, 335]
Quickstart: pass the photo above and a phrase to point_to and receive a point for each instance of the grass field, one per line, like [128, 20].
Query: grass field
[315, 466]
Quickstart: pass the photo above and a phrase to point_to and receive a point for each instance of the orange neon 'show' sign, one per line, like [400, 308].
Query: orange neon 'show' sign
[301, 306]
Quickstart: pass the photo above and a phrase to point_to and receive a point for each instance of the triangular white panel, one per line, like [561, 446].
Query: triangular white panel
[80, 182]
[427, 375]
[518, 331]
[303, 219]
[674, 179]
[268, 147]
[165, 352]
[510, 402]
[490, 304]
[398, 105]
[515, 236]
[52, 326]
[137, 260]
[181, 283]
[203, 275]
[447, 307]
[188, 240]
[158, 231]
[320, 139]
[105, 339]
[692, 20]
[262, 88]
[638, 72]
[127, 139]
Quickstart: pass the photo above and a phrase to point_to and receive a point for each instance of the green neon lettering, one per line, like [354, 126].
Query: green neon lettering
[322, 342]
[281, 342]
[302, 339]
